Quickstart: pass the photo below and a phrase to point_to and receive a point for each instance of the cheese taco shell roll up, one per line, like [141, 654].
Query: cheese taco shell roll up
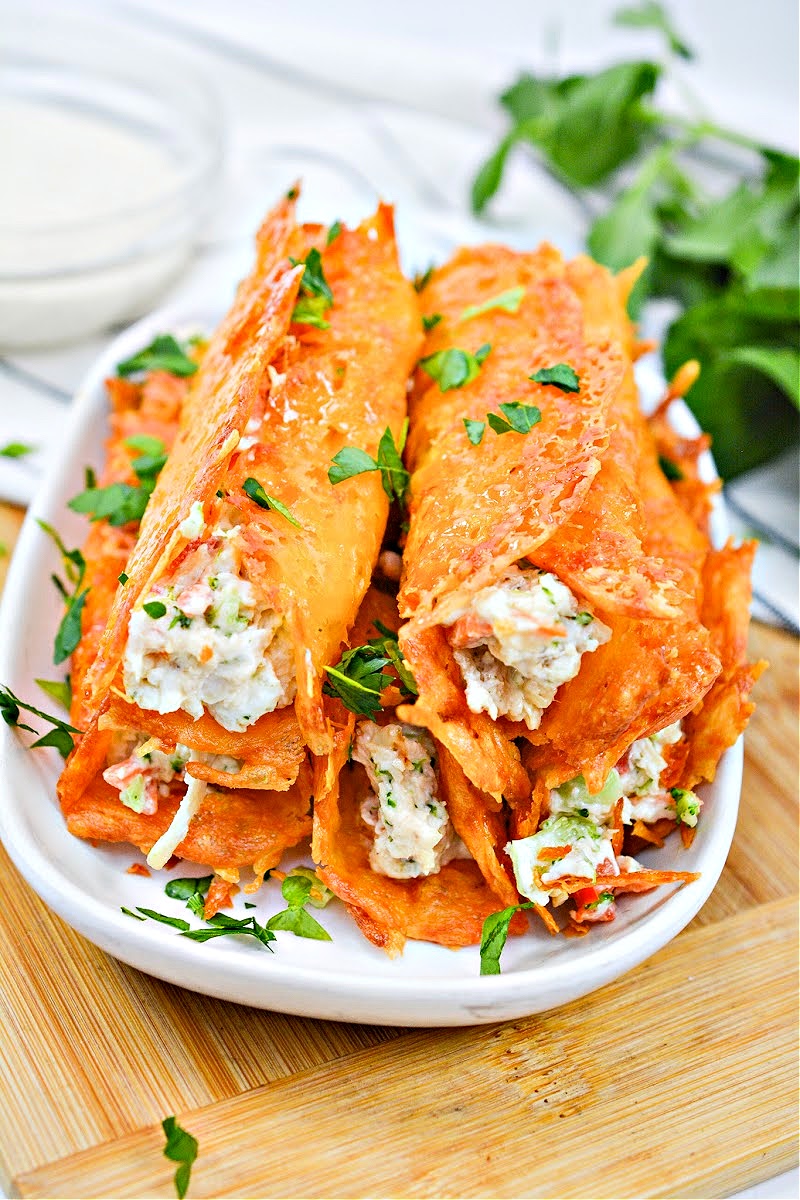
[542, 562]
[250, 567]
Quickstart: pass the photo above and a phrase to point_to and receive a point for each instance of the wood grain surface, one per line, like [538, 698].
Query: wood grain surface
[679, 1079]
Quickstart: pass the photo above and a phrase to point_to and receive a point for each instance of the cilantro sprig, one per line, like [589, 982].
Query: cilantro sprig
[517, 418]
[351, 461]
[72, 593]
[60, 736]
[163, 354]
[252, 488]
[454, 368]
[181, 1147]
[316, 296]
[729, 262]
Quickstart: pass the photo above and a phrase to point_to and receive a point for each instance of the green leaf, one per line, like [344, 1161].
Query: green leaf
[310, 310]
[494, 936]
[429, 323]
[490, 175]
[69, 631]
[129, 913]
[176, 922]
[182, 889]
[333, 232]
[320, 895]
[650, 15]
[10, 706]
[119, 503]
[255, 491]
[153, 447]
[295, 890]
[454, 368]
[422, 279]
[508, 301]
[521, 417]
[387, 644]
[628, 230]
[300, 923]
[313, 281]
[155, 609]
[58, 738]
[350, 461]
[181, 1148]
[59, 689]
[475, 430]
[780, 364]
[670, 469]
[394, 476]
[163, 354]
[561, 376]
[16, 450]
[358, 680]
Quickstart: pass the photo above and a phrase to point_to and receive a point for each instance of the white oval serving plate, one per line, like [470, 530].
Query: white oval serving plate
[346, 979]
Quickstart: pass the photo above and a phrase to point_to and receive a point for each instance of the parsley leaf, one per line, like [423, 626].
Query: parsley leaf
[182, 889]
[119, 503]
[454, 368]
[316, 296]
[422, 279]
[351, 461]
[175, 922]
[508, 301]
[296, 890]
[181, 1148]
[69, 631]
[252, 488]
[494, 935]
[358, 680]
[429, 323]
[16, 450]
[560, 376]
[519, 418]
[475, 430]
[59, 689]
[310, 310]
[320, 894]
[333, 232]
[670, 469]
[163, 354]
[155, 609]
[146, 444]
[387, 644]
[650, 15]
[60, 736]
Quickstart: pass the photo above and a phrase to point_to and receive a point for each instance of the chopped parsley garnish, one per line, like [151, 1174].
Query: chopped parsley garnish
[583, 618]
[129, 913]
[429, 323]
[155, 609]
[60, 736]
[508, 301]
[475, 430]
[175, 922]
[182, 889]
[316, 296]
[292, 193]
[119, 503]
[122, 578]
[74, 596]
[296, 890]
[180, 618]
[561, 376]
[163, 354]
[687, 806]
[320, 895]
[333, 232]
[59, 689]
[358, 680]
[387, 644]
[16, 450]
[252, 488]
[145, 444]
[494, 936]
[422, 279]
[181, 1148]
[454, 368]
[517, 417]
[395, 478]
[224, 926]
[670, 469]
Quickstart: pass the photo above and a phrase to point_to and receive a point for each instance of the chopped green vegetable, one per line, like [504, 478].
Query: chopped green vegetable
[494, 936]
[561, 376]
[119, 503]
[333, 232]
[395, 478]
[296, 891]
[670, 469]
[69, 631]
[155, 609]
[454, 368]
[252, 488]
[316, 296]
[16, 450]
[517, 418]
[122, 578]
[429, 323]
[508, 301]
[60, 736]
[358, 680]
[650, 15]
[163, 354]
[135, 916]
[145, 444]
[475, 430]
[422, 279]
[182, 889]
[320, 894]
[687, 806]
[175, 922]
[59, 689]
[181, 1148]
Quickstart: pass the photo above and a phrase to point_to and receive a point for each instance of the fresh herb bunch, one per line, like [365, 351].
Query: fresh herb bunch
[731, 263]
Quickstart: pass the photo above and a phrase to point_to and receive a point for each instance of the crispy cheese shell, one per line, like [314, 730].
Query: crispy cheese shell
[448, 908]
[232, 828]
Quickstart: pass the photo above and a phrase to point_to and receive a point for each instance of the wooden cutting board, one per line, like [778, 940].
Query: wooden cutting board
[680, 1079]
